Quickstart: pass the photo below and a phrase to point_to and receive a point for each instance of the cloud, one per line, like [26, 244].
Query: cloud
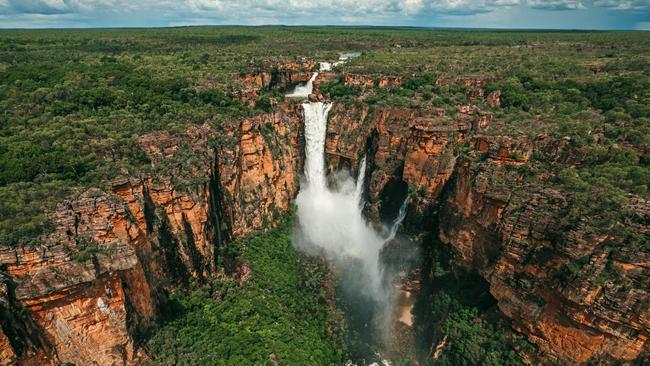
[624, 4]
[255, 7]
[470, 6]
[556, 4]
[37, 13]
[35, 6]
[51, 7]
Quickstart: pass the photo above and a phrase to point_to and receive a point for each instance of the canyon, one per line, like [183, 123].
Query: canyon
[94, 285]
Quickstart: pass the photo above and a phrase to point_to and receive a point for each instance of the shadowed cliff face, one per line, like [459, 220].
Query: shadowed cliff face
[96, 282]
[511, 238]
[403, 148]
[504, 227]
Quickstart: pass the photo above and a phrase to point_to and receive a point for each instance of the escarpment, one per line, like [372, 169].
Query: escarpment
[94, 284]
[505, 225]
[278, 77]
[513, 238]
[410, 148]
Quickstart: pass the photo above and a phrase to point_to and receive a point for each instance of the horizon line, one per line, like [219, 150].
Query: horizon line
[361, 26]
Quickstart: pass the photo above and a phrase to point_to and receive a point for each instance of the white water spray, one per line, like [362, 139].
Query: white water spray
[331, 221]
[303, 90]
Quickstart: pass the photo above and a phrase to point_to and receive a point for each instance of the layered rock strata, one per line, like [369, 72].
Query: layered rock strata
[94, 284]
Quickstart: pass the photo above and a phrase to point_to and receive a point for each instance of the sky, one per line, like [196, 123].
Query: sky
[555, 14]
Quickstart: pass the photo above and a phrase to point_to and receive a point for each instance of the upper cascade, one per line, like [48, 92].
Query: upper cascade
[343, 58]
[303, 90]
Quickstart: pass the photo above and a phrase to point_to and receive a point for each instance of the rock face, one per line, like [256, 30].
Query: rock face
[280, 76]
[503, 227]
[411, 149]
[259, 175]
[368, 82]
[510, 237]
[94, 284]
[77, 284]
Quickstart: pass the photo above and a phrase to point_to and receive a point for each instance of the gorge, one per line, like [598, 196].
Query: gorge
[424, 211]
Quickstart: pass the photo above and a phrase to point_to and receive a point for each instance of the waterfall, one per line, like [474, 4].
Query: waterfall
[315, 116]
[361, 177]
[343, 58]
[303, 91]
[392, 230]
[331, 224]
[330, 219]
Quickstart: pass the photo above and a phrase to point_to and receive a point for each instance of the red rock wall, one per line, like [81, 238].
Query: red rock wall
[498, 225]
[508, 237]
[260, 174]
[95, 282]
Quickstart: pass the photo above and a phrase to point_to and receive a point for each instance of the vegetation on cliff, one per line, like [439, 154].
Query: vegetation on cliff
[460, 316]
[74, 102]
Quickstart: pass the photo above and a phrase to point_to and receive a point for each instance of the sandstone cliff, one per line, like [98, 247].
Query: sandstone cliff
[503, 225]
[512, 237]
[94, 284]
[96, 281]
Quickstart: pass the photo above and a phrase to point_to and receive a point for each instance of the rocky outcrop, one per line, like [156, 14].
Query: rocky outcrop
[429, 159]
[494, 99]
[280, 77]
[468, 81]
[94, 284]
[504, 226]
[367, 82]
[411, 149]
[508, 232]
[84, 287]
[7, 354]
[259, 175]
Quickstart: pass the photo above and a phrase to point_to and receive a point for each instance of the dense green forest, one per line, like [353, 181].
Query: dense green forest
[74, 102]
[460, 310]
[282, 312]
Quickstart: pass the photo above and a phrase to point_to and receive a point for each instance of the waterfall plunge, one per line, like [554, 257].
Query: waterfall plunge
[331, 220]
